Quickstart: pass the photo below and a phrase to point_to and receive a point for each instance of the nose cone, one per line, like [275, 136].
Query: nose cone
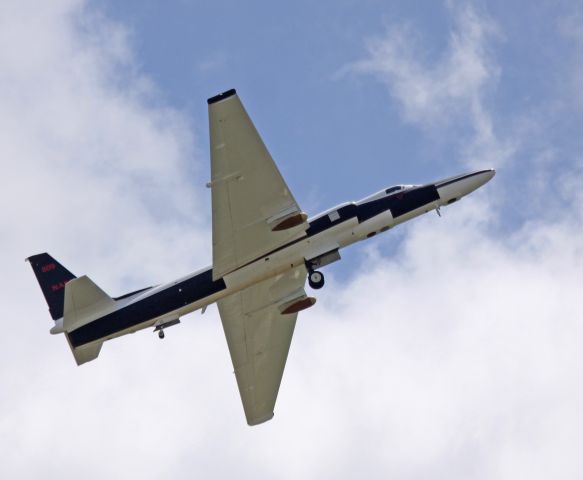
[453, 188]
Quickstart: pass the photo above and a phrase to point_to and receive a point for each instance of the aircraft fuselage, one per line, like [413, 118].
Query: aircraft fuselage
[326, 235]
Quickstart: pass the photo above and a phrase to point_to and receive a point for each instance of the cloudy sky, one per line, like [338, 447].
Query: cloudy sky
[447, 348]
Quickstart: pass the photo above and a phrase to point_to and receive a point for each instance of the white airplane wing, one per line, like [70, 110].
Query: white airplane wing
[253, 210]
[259, 335]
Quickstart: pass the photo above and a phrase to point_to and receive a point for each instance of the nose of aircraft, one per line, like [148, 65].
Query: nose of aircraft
[453, 188]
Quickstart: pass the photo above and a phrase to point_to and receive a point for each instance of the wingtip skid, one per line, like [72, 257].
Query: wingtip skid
[222, 96]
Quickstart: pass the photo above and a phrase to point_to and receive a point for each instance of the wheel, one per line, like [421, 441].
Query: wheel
[316, 280]
[161, 334]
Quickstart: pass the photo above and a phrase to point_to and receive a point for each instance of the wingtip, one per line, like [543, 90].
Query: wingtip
[222, 96]
[259, 420]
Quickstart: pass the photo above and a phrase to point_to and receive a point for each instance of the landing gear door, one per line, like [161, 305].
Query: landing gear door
[323, 259]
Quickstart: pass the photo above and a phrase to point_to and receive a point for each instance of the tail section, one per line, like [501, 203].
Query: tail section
[84, 302]
[86, 353]
[52, 277]
[73, 302]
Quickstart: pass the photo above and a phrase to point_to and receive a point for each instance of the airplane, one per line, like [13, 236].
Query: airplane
[264, 248]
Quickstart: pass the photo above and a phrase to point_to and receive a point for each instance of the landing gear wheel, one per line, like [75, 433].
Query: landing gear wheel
[161, 334]
[316, 280]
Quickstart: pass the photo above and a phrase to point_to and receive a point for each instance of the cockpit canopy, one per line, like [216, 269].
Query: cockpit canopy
[396, 188]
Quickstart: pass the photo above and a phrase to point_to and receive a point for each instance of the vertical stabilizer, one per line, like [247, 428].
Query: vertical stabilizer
[72, 301]
[52, 277]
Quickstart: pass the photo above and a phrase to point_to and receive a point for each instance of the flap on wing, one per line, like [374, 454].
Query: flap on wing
[253, 210]
[259, 336]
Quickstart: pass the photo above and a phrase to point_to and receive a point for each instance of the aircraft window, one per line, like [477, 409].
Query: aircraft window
[393, 189]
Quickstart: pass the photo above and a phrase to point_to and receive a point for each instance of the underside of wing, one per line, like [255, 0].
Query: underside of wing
[259, 334]
[253, 210]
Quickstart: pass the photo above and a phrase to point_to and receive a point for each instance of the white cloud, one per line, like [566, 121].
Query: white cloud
[88, 151]
[458, 357]
[449, 92]
[481, 316]
[466, 352]
[103, 176]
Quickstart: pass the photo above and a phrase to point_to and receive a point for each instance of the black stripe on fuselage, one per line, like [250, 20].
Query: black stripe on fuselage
[160, 303]
[325, 222]
[317, 225]
[202, 285]
[399, 203]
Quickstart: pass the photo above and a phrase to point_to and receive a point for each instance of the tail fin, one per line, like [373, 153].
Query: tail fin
[72, 306]
[52, 277]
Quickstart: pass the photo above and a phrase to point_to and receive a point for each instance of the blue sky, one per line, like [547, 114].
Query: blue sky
[446, 348]
[326, 123]
[286, 63]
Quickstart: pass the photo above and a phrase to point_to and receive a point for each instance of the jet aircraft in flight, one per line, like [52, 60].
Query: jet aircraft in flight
[264, 249]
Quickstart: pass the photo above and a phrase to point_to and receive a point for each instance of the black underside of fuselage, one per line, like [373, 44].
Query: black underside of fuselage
[202, 285]
[172, 298]
[399, 204]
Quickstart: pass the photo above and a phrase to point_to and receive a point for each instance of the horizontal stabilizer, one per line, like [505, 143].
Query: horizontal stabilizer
[84, 301]
[86, 353]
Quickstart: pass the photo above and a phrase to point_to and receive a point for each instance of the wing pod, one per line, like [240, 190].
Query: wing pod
[297, 305]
